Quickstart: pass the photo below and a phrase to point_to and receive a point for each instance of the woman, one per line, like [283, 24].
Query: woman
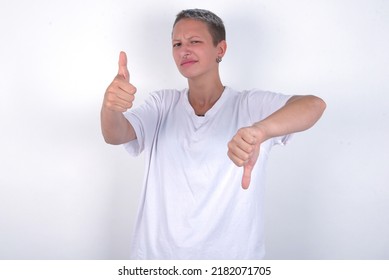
[196, 140]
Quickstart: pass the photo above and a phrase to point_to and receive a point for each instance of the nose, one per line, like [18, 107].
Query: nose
[185, 51]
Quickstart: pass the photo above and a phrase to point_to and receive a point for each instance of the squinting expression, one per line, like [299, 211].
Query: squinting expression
[193, 49]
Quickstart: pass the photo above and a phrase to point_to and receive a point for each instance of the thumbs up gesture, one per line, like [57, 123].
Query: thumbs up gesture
[120, 94]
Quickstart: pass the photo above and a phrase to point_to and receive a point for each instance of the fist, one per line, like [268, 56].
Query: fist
[120, 94]
[243, 150]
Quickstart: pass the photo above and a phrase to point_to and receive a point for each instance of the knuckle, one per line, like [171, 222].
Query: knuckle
[111, 96]
[118, 78]
[115, 82]
[236, 137]
[111, 90]
[133, 89]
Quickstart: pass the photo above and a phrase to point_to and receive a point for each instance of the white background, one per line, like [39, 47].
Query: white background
[65, 194]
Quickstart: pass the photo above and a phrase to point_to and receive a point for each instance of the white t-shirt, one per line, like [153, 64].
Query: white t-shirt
[192, 204]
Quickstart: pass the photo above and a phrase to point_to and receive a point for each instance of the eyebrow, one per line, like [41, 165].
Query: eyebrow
[191, 37]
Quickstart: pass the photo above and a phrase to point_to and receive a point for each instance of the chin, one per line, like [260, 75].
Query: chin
[192, 73]
[187, 75]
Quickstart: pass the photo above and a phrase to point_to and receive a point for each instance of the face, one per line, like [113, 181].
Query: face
[193, 49]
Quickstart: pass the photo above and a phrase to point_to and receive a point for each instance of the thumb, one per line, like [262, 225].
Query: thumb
[123, 71]
[246, 179]
[248, 167]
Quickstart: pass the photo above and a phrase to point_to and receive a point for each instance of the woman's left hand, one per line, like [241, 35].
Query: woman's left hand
[243, 150]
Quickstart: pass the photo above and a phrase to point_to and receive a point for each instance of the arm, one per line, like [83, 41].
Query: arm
[118, 97]
[298, 114]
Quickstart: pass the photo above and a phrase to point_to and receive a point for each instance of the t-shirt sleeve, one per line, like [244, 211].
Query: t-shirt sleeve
[262, 104]
[144, 120]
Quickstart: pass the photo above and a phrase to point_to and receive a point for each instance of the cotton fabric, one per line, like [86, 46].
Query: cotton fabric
[192, 205]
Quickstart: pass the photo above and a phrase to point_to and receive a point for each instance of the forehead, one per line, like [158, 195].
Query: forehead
[189, 27]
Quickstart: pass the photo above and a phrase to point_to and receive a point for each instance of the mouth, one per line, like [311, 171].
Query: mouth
[188, 62]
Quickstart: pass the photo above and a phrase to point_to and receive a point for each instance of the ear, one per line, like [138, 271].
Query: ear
[221, 48]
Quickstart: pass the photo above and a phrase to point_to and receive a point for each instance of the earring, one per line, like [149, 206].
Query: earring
[219, 59]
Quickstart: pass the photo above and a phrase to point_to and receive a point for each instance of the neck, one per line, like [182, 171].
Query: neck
[203, 95]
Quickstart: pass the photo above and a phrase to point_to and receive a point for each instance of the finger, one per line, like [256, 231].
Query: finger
[125, 99]
[240, 149]
[244, 148]
[248, 168]
[119, 84]
[123, 70]
[246, 178]
[118, 105]
[120, 96]
[235, 159]
[246, 134]
[238, 157]
[127, 87]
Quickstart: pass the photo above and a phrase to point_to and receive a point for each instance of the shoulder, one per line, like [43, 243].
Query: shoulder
[249, 92]
[264, 96]
[164, 96]
[259, 103]
[254, 94]
[167, 93]
[259, 93]
[165, 99]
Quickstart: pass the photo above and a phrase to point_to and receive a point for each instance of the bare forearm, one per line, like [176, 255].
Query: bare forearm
[116, 128]
[298, 114]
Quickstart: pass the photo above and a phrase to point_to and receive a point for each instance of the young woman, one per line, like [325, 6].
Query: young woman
[202, 143]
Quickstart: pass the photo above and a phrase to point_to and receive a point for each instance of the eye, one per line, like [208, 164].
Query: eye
[195, 42]
[176, 45]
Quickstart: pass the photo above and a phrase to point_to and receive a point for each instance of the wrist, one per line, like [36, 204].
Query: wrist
[262, 131]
